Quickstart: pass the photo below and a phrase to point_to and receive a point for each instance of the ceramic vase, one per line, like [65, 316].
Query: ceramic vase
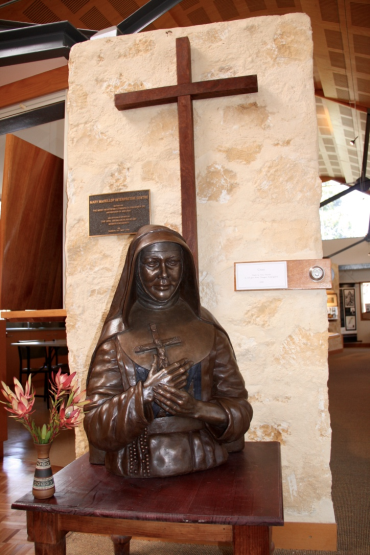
[43, 481]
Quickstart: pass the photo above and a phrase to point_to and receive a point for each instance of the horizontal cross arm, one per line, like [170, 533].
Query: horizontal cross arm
[145, 348]
[199, 90]
[159, 343]
[172, 341]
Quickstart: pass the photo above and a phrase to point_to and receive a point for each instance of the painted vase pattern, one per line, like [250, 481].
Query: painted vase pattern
[43, 482]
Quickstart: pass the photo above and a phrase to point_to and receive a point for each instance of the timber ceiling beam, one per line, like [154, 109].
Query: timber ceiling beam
[354, 105]
[325, 178]
[32, 87]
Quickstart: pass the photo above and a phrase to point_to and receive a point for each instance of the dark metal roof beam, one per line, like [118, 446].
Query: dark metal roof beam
[362, 186]
[145, 15]
[7, 25]
[347, 248]
[38, 42]
[45, 114]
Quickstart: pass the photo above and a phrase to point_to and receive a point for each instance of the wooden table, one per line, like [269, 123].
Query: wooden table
[237, 502]
[52, 345]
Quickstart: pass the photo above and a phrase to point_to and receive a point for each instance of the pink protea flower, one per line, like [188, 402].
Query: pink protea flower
[63, 382]
[77, 398]
[66, 406]
[7, 392]
[69, 417]
[20, 408]
[20, 403]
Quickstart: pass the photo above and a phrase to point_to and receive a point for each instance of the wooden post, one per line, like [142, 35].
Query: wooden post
[187, 156]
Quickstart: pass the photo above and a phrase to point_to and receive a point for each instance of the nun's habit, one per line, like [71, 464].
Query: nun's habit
[138, 439]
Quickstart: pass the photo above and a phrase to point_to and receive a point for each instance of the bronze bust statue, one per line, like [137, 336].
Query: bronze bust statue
[166, 394]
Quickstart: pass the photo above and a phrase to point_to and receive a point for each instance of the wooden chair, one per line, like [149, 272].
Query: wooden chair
[29, 353]
[54, 357]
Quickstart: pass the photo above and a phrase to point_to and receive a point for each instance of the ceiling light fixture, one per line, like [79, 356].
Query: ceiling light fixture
[353, 141]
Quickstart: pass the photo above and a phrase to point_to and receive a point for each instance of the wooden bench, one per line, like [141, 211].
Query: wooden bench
[237, 502]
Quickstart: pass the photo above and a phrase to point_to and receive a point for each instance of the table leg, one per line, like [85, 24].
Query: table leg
[252, 540]
[51, 549]
[121, 545]
[42, 528]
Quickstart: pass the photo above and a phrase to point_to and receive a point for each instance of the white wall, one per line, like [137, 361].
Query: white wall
[356, 255]
[10, 74]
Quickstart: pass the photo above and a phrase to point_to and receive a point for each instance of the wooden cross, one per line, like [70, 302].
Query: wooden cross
[158, 345]
[183, 93]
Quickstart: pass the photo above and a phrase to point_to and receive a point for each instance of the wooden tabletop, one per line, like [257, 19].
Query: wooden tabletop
[50, 315]
[36, 343]
[246, 490]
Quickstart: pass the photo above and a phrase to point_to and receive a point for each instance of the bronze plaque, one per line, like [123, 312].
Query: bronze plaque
[118, 213]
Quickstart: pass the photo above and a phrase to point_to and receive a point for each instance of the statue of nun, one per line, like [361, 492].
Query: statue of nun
[167, 397]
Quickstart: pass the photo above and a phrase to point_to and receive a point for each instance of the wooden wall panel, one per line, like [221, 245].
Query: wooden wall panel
[31, 228]
[3, 377]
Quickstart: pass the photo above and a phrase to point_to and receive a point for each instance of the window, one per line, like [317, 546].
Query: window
[347, 216]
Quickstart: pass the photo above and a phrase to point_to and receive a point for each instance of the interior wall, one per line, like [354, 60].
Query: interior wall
[356, 277]
[335, 342]
[258, 197]
[360, 254]
[22, 71]
[49, 136]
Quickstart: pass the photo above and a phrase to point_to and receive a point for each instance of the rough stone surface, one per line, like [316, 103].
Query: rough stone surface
[258, 199]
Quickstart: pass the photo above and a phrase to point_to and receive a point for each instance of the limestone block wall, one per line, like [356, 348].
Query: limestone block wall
[258, 199]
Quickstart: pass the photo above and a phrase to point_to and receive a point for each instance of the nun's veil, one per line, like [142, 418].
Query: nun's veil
[125, 295]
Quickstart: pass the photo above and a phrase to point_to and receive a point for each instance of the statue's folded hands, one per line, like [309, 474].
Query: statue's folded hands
[179, 402]
[174, 375]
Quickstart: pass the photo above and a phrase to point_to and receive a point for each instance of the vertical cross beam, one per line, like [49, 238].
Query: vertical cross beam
[187, 156]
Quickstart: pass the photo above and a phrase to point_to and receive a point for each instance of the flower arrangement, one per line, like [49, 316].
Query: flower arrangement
[66, 406]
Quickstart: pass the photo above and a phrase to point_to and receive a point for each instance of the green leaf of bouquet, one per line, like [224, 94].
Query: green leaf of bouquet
[70, 398]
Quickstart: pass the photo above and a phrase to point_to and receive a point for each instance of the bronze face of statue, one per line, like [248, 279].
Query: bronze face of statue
[160, 270]
[166, 393]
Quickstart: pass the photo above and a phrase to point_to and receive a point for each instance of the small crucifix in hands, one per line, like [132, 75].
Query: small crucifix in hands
[174, 376]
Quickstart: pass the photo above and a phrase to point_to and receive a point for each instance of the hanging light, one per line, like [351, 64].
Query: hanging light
[353, 141]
